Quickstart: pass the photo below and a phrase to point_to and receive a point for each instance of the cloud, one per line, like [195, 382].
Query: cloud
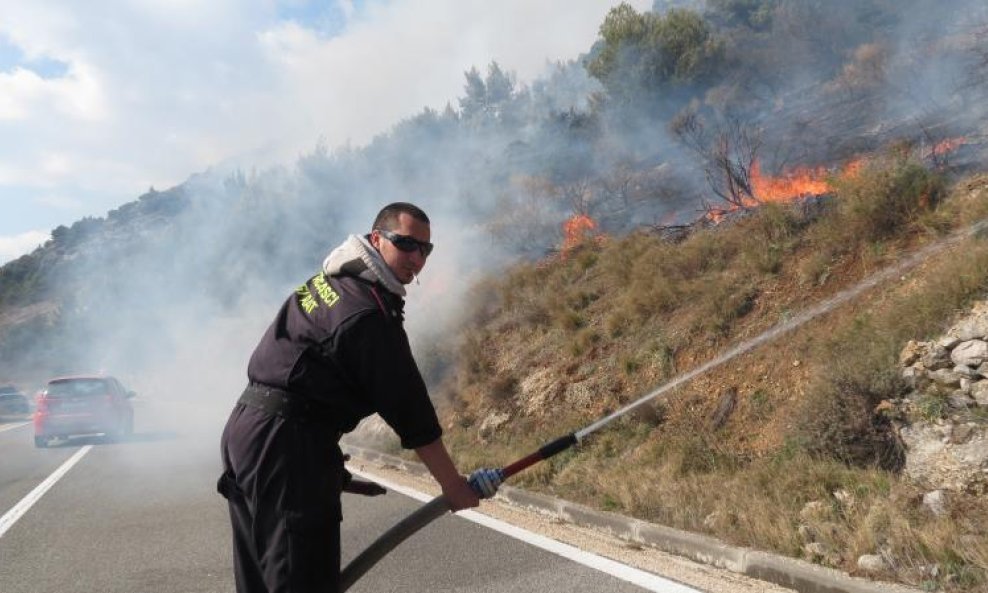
[153, 92]
[397, 58]
[17, 245]
[25, 95]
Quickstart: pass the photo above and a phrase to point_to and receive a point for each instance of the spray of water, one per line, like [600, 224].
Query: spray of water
[791, 324]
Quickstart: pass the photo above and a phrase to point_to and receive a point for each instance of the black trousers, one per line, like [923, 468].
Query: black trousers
[282, 479]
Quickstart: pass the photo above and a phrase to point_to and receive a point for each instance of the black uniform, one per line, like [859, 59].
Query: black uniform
[335, 353]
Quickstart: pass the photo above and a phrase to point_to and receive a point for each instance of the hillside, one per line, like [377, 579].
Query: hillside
[747, 451]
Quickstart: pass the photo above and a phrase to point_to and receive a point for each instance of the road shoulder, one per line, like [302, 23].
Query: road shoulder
[514, 506]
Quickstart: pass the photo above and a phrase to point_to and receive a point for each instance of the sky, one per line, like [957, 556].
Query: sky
[100, 101]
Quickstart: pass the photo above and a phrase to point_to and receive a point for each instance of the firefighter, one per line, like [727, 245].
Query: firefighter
[336, 352]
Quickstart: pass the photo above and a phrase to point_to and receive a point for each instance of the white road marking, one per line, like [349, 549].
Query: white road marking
[18, 510]
[13, 426]
[645, 580]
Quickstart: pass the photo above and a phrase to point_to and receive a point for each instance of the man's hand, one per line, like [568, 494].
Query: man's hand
[485, 481]
[364, 487]
[459, 494]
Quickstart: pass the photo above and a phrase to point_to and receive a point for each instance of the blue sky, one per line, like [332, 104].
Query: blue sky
[100, 101]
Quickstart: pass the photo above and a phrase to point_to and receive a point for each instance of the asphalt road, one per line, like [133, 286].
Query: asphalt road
[144, 516]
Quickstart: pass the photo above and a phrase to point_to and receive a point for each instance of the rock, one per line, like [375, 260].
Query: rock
[871, 563]
[961, 434]
[491, 423]
[946, 377]
[936, 501]
[959, 400]
[935, 459]
[916, 377]
[822, 553]
[945, 454]
[883, 407]
[845, 498]
[910, 353]
[971, 329]
[971, 353]
[949, 342]
[979, 391]
[937, 357]
[814, 510]
[816, 549]
[912, 396]
[728, 401]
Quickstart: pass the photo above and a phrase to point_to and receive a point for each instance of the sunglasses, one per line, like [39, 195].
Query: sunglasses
[406, 243]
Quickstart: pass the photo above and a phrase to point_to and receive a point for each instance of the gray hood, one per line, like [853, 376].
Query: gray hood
[357, 257]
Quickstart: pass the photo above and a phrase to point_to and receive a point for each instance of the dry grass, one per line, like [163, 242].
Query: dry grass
[561, 343]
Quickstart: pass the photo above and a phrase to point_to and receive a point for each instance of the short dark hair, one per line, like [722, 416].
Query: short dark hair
[387, 218]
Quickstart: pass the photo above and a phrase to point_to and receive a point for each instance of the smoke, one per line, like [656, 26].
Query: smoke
[172, 292]
[826, 83]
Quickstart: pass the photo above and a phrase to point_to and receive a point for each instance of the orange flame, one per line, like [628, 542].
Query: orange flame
[945, 146]
[805, 182]
[715, 215]
[577, 230]
[799, 183]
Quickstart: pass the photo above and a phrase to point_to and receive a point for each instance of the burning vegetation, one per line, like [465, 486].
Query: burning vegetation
[578, 230]
[798, 423]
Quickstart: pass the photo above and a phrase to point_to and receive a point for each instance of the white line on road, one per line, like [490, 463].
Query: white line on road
[13, 426]
[646, 580]
[11, 516]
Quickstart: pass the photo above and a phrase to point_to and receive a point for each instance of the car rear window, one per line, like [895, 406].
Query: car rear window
[78, 388]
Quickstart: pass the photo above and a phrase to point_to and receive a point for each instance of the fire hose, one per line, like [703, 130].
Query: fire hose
[431, 511]
[438, 506]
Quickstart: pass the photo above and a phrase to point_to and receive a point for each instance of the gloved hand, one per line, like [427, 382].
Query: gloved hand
[485, 481]
[365, 487]
[355, 486]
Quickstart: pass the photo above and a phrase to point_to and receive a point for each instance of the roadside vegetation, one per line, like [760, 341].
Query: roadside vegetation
[779, 441]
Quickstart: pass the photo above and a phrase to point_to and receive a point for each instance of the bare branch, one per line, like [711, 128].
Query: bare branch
[729, 156]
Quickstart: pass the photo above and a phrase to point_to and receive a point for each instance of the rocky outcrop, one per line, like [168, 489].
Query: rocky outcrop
[944, 418]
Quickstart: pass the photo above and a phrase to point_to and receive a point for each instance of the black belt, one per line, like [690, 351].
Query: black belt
[286, 404]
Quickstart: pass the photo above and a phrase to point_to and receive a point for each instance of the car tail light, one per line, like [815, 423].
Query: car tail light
[42, 405]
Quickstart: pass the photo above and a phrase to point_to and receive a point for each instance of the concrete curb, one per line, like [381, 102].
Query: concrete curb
[799, 575]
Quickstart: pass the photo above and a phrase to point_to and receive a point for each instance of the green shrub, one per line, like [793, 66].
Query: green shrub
[641, 53]
[932, 407]
[837, 419]
[884, 197]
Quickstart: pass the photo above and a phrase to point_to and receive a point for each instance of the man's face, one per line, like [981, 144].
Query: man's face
[405, 264]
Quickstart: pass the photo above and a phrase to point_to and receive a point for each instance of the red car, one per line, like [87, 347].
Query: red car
[83, 405]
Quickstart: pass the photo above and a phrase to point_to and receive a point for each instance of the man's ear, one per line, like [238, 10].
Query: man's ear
[375, 239]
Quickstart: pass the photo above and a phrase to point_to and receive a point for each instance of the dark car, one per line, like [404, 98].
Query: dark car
[83, 405]
[13, 402]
